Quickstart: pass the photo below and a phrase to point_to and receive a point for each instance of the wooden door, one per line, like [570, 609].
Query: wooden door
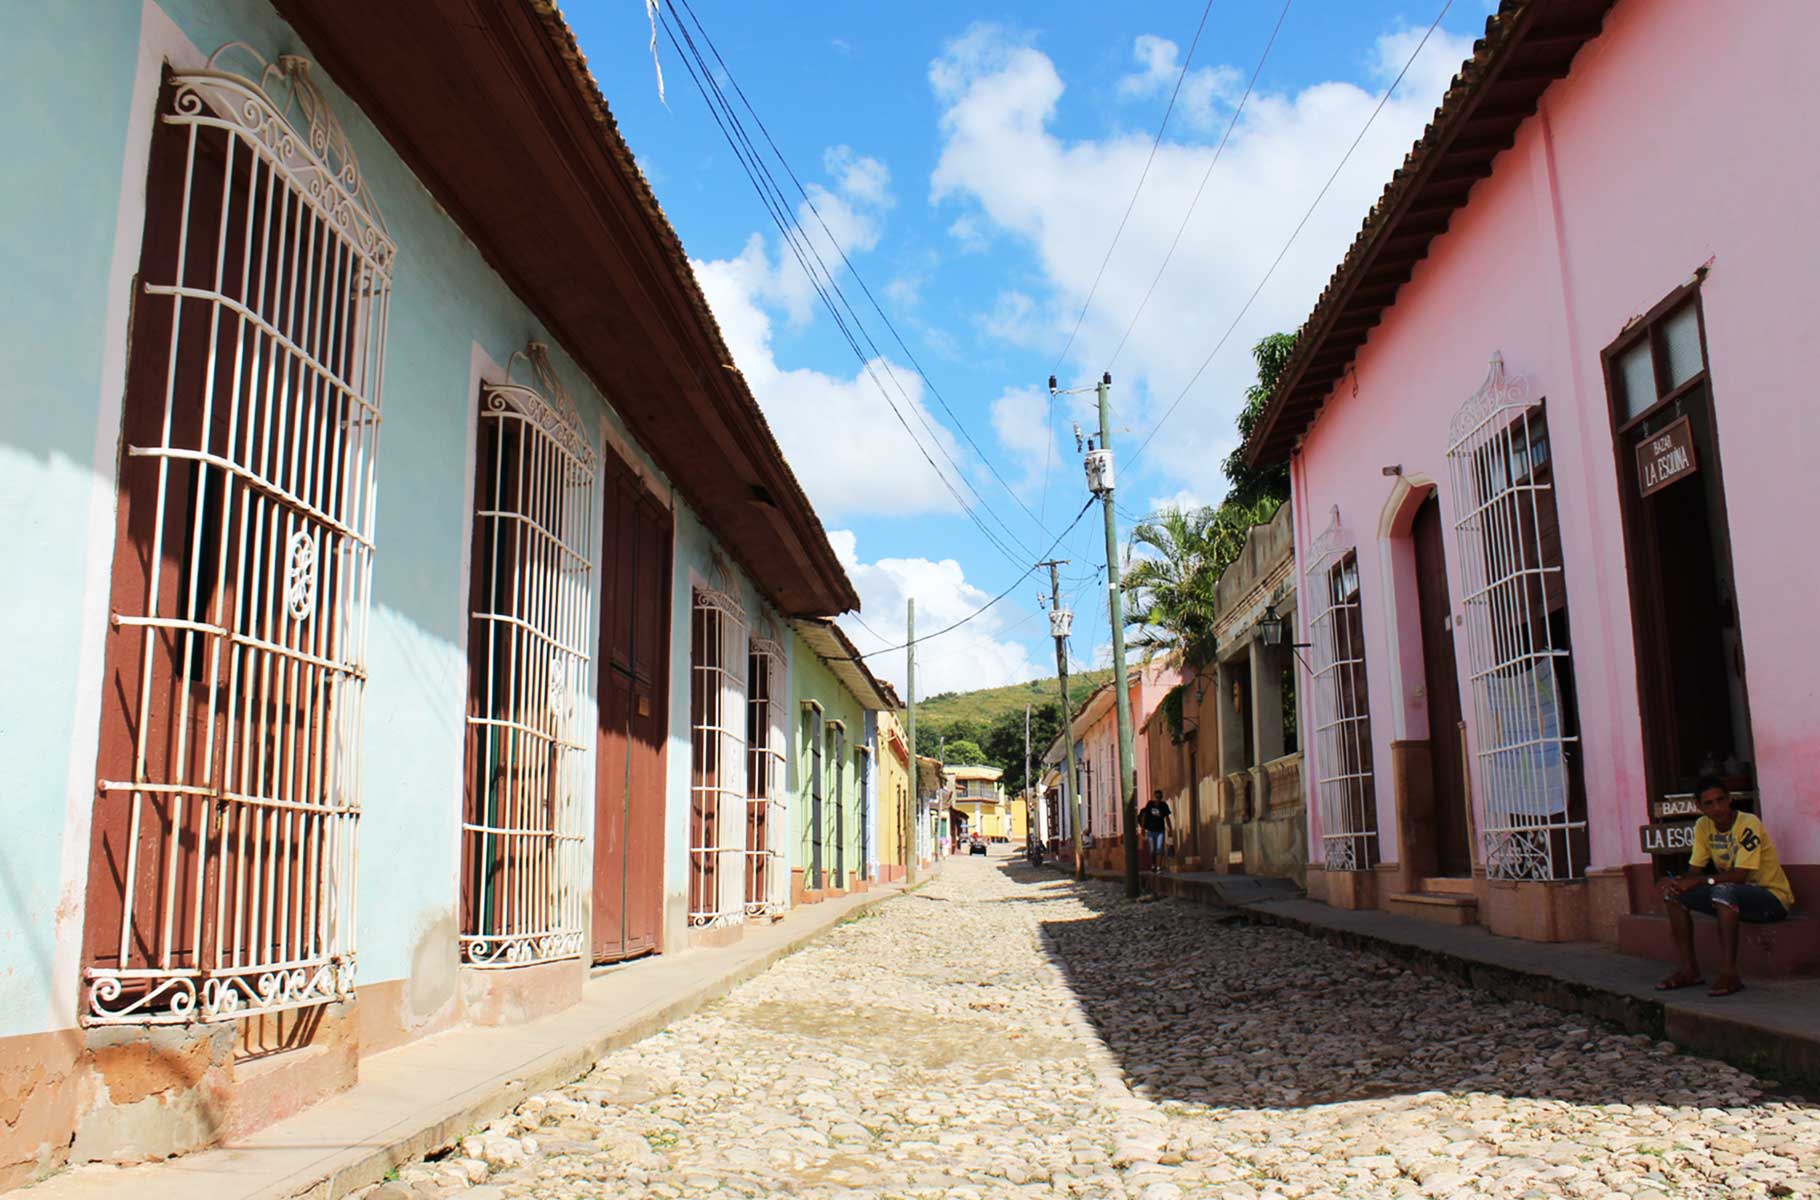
[634, 708]
[1452, 835]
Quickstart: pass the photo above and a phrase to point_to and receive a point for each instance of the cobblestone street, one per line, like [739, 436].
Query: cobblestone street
[933, 1048]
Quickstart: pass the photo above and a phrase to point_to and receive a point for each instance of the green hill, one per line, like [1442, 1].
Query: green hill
[968, 714]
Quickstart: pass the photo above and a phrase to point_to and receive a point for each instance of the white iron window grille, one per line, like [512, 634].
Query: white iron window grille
[718, 749]
[812, 724]
[1511, 580]
[523, 875]
[230, 787]
[766, 873]
[1342, 714]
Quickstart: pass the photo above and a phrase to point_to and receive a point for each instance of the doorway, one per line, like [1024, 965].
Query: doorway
[634, 717]
[1441, 680]
[1694, 702]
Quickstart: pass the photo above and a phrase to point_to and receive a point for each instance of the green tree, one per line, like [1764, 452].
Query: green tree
[1249, 485]
[1173, 586]
[961, 752]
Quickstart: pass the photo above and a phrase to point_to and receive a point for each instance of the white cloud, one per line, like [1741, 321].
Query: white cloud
[1207, 92]
[966, 231]
[845, 218]
[1020, 419]
[975, 655]
[851, 452]
[1005, 169]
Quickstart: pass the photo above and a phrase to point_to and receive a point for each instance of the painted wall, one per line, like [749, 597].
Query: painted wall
[813, 680]
[1629, 179]
[81, 81]
[893, 790]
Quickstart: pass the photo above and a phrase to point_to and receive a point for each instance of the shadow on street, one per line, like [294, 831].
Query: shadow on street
[1201, 1007]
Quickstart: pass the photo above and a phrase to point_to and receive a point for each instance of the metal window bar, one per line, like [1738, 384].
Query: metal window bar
[236, 895]
[1530, 829]
[765, 808]
[836, 759]
[1342, 726]
[862, 760]
[718, 745]
[817, 792]
[523, 870]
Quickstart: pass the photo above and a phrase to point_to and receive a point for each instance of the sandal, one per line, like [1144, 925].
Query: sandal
[1726, 986]
[1680, 979]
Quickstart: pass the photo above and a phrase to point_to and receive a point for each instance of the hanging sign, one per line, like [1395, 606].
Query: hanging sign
[1675, 804]
[1675, 838]
[1665, 457]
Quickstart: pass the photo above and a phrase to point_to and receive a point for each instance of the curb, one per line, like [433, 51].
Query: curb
[561, 1067]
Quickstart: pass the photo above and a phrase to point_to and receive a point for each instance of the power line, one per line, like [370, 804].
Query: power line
[1205, 176]
[988, 604]
[802, 249]
[1155, 143]
[896, 335]
[1300, 225]
[777, 207]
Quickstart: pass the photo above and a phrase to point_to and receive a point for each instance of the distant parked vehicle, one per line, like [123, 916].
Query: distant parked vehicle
[977, 847]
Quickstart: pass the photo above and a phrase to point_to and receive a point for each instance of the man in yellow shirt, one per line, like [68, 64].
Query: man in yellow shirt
[1734, 876]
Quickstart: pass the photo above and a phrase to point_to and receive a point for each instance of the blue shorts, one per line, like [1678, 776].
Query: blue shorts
[1156, 841]
[1755, 904]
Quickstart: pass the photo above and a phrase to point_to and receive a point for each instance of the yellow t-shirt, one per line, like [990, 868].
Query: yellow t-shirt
[1743, 847]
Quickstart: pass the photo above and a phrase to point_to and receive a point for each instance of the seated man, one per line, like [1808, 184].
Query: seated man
[1734, 875]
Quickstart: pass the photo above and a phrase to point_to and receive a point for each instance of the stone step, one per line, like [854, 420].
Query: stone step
[1447, 885]
[1440, 908]
[1778, 950]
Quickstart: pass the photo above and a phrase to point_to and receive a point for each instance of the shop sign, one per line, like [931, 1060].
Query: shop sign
[1676, 837]
[1674, 805]
[1665, 457]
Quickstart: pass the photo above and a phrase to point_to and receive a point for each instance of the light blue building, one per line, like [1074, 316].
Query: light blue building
[320, 739]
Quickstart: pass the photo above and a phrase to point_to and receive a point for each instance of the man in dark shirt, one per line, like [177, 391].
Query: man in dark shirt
[1154, 820]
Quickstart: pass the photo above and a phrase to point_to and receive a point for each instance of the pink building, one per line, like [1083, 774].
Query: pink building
[1546, 427]
[1095, 729]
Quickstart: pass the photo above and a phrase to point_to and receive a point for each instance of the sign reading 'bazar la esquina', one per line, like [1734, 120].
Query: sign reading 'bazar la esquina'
[1665, 456]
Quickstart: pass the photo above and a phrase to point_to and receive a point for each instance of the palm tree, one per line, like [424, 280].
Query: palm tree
[1173, 587]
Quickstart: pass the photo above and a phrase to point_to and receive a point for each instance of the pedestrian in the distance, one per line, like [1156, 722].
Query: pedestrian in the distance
[1154, 819]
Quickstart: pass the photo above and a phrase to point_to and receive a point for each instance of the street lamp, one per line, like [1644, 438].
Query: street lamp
[1270, 626]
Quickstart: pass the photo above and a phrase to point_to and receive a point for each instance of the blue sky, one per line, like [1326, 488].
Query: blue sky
[973, 164]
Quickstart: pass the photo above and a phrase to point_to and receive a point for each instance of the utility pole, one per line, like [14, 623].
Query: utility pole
[916, 773]
[1100, 482]
[1061, 623]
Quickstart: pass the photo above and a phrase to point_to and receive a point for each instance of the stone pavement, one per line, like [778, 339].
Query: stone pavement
[1006, 1032]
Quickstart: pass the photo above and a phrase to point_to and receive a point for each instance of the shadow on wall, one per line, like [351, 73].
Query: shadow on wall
[1202, 1008]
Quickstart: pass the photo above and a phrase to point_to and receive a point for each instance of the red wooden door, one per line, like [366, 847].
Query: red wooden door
[1453, 840]
[634, 708]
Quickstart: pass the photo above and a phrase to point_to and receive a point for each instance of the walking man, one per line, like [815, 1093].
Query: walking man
[1734, 875]
[1154, 819]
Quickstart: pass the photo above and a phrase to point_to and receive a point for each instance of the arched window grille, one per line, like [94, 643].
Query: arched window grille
[718, 757]
[229, 787]
[1342, 710]
[531, 578]
[1516, 652]
[766, 811]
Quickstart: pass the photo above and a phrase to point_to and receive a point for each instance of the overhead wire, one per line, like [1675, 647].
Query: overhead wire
[1155, 143]
[950, 628]
[1294, 234]
[858, 278]
[802, 249]
[1205, 177]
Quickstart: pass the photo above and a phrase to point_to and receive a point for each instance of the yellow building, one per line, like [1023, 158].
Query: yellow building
[894, 803]
[1018, 809]
[974, 793]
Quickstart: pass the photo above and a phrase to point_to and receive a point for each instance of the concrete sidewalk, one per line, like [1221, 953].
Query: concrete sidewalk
[415, 1099]
[1771, 1028]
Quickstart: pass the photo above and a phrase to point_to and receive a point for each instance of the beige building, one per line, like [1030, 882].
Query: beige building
[977, 799]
